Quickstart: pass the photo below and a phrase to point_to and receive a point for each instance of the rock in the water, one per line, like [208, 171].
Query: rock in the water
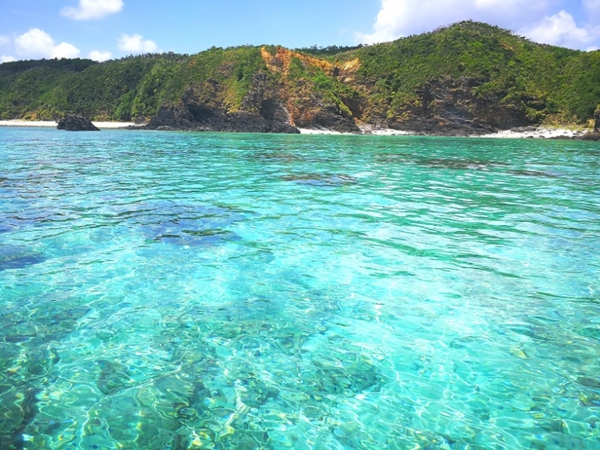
[72, 122]
[595, 136]
[597, 120]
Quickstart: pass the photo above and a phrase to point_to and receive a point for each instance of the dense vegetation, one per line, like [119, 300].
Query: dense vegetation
[547, 84]
[330, 50]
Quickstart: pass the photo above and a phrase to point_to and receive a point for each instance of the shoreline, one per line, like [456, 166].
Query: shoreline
[531, 132]
[53, 124]
[519, 133]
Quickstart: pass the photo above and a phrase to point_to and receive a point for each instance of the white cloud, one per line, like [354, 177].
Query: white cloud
[136, 44]
[398, 18]
[4, 59]
[34, 43]
[561, 29]
[99, 56]
[64, 50]
[92, 9]
[4, 40]
[536, 19]
[39, 44]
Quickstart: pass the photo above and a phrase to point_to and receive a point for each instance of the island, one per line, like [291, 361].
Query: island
[469, 78]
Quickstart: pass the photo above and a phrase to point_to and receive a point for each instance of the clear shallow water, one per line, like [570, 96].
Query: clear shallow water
[174, 291]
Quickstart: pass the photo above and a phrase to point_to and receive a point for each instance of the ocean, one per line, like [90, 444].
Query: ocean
[233, 291]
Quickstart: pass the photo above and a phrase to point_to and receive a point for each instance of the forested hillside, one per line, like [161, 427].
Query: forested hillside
[467, 77]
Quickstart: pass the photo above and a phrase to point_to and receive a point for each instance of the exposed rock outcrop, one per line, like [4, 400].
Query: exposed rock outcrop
[597, 120]
[306, 106]
[73, 122]
[330, 117]
[179, 117]
[261, 115]
[450, 107]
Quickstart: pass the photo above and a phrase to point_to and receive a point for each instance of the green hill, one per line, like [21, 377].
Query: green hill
[467, 77]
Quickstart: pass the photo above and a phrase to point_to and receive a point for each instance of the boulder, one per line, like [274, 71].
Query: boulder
[73, 122]
[597, 120]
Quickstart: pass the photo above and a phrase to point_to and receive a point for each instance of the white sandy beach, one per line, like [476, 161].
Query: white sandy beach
[538, 133]
[52, 124]
[318, 131]
[365, 129]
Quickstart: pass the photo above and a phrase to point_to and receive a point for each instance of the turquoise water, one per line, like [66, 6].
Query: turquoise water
[231, 291]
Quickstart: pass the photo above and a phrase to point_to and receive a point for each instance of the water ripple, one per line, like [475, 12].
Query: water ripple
[180, 290]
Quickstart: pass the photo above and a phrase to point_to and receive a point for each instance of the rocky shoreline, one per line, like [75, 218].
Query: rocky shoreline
[182, 118]
[446, 108]
[248, 123]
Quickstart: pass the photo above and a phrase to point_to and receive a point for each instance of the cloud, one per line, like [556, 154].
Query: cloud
[561, 29]
[532, 18]
[92, 9]
[34, 43]
[64, 50]
[4, 59]
[398, 18]
[4, 40]
[39, 44]
[99, 56]
[136, 44]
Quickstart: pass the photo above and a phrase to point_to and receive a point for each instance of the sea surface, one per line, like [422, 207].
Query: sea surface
[231, 291]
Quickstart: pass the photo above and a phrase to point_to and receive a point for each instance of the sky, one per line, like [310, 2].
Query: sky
[108, 29]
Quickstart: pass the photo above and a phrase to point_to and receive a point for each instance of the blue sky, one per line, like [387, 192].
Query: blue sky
[103, 29]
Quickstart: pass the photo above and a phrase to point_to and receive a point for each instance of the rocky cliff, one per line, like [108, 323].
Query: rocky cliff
[291, 90]
[442, 107]
[263, 115]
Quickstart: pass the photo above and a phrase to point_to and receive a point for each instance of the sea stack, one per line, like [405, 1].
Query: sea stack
[73, 122]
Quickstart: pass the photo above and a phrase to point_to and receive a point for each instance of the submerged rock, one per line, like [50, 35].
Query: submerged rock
[534, 173]
[73, 122]
[18, 257]
[181, 224]
[589, 382]
[318, 179]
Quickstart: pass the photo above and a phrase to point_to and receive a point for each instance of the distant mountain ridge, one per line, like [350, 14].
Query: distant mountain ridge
[468, 78]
